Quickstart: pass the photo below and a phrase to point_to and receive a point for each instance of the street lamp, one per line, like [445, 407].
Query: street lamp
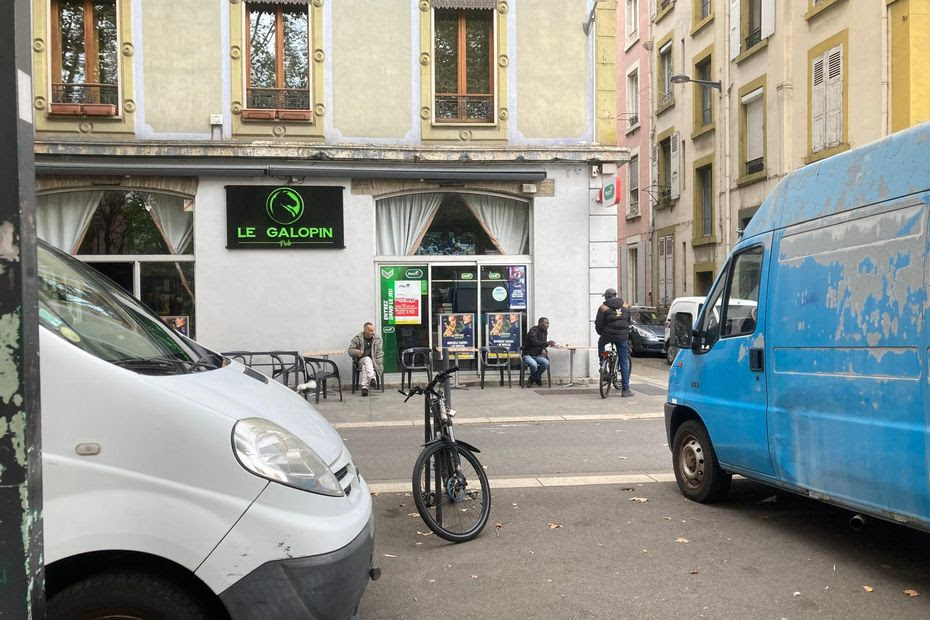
[684, 79]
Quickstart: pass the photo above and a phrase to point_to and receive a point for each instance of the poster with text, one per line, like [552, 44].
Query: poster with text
[504, 329]
[180, 322]
[457, 331]
[407, 302]
[516, 276]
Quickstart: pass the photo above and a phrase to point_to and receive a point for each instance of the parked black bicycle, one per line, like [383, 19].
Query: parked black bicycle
[450, 488]
[610, 370]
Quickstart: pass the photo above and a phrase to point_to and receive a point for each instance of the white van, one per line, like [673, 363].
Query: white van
[686, 305]
[178, 484]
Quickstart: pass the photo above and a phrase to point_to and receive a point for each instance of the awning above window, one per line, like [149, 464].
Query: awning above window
[463, 4]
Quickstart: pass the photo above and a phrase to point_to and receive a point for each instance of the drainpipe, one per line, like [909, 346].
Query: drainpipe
[726, 131]
[886, 64]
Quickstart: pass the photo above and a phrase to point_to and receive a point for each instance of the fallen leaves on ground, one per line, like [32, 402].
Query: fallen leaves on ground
[419, 533]
[796, 594]
[693, 572]
[912, 593]
[474, 576]
[375, 494]
[628, 489]
[868, 588]
[667, 518]
[555, 526]
[638, 499]
[498, 526]
[388, 555]
[413, 514]
[681, 540]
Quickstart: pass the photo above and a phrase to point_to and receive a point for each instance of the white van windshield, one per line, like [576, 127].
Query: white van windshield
[97, 316]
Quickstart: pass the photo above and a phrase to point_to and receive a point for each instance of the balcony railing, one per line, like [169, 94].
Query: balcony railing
[632, 209]
[453, 108]
[84, 99]
[278, 99]
[633, 120]
[755, 165]
[666, 98]
[753, 38]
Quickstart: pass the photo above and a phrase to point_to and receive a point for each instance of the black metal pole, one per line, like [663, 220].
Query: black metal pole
[447, 390]
[21, 565]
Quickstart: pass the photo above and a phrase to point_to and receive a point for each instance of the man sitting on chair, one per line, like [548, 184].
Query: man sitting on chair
[367, 355]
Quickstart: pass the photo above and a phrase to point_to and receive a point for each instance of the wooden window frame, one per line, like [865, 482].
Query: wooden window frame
[283, 114]
[462, 74]
[91, 64]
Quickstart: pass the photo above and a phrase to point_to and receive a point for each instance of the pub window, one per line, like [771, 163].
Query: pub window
[463, 46]
[278, 62]
[85, 65]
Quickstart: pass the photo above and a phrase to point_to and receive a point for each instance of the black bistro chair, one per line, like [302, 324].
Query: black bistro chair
[415, 359]
[525, 370]
[356, 372]
[496, 359]
[323, 371]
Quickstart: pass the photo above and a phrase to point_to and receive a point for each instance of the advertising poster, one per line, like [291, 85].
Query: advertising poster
[402, 290]
[407, 302]
[457, 331]
[516, 276]
[504, 329]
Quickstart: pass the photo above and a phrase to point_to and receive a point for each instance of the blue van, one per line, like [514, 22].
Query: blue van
[807, 367]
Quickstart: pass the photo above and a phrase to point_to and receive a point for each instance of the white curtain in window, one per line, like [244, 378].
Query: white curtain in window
[175, 224]
[506, 221]
[402, 221]
[63, 218]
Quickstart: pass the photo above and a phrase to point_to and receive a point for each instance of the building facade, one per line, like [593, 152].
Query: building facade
[773, 86]
[271, 175]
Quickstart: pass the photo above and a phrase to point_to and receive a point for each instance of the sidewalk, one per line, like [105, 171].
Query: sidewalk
[496, 404]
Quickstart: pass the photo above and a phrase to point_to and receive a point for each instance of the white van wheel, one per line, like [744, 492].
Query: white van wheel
[695, 462]
[126, 594]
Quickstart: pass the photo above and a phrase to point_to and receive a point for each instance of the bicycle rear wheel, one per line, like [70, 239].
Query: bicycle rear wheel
[607, 375]
[454, 504]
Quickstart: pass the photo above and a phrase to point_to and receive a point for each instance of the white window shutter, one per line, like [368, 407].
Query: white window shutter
[834, 97]
[734, 29]
[674, 166]
[660, 267]
[754, 131]
[768, 18]
[818, 105]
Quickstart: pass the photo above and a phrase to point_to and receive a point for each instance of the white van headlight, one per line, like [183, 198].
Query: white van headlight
[269, 451]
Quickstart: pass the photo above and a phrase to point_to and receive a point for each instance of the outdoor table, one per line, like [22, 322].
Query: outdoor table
[324, 354]
[452, 351]
[571, 359]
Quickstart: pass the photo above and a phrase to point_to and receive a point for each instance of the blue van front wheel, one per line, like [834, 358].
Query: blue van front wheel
[696, 468]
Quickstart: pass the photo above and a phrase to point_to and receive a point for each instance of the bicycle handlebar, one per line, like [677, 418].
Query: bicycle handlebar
[440, 376]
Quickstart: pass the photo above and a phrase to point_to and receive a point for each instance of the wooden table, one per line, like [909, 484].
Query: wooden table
[571, 360]
[322, 354]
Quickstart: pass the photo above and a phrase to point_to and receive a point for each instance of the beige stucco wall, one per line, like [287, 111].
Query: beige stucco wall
[553, 69]
[372, 95]
[181, 65]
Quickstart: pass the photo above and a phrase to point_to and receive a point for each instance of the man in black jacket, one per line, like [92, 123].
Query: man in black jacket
[537, 339]
[613, 325]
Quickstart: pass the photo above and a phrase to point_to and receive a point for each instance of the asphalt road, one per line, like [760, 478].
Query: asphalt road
[591, 551]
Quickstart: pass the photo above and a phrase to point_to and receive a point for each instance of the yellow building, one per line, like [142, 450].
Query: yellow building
[461, 142]
[784, 84]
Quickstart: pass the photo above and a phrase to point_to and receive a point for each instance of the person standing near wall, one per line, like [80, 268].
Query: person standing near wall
[613, 325]
[367, 355]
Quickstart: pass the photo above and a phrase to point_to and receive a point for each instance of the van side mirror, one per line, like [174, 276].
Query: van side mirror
[681, 336]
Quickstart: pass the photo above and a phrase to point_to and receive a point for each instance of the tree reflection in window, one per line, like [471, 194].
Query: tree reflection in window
[85, 51]
[122, 224]
[464, 86]
[279, 57]
[455, 231]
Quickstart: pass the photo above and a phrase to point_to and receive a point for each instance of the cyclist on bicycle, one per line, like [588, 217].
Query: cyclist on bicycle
[613, 325]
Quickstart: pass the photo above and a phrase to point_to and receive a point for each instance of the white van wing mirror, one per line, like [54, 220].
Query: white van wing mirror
[681, 336]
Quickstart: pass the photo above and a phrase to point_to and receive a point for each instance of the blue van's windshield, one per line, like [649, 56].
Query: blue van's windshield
[97, 316]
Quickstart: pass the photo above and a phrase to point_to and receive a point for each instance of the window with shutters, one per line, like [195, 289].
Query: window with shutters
[667, 173]
[632, 209]
[665, 95]
[752, 131]
[827, 100]
[702, 13]
[752, 22]
[704, 207]
[632, 19]
[85, 68]
[632, 98]
[463, 36]
[665, 269]
[753, 32]
[277, 62]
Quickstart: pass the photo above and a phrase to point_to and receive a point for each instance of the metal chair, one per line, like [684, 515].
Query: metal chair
[524, 370]
[415, 359]
[497, 359]
[356, 371]
[269, 363]
[322, 371]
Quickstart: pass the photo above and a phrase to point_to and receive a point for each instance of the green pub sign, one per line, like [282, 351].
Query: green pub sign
[263, 217]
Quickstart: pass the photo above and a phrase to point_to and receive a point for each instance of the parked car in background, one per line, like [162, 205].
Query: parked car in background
[647, 333]
[690, 306]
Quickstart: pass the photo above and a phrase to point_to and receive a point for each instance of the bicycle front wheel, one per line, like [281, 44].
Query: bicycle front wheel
[454, 501]
[608, 373]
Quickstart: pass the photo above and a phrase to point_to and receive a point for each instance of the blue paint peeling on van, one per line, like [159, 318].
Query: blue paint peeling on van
[825, 391]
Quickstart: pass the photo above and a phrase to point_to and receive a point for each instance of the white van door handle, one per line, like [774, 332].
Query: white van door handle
[757, 360]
